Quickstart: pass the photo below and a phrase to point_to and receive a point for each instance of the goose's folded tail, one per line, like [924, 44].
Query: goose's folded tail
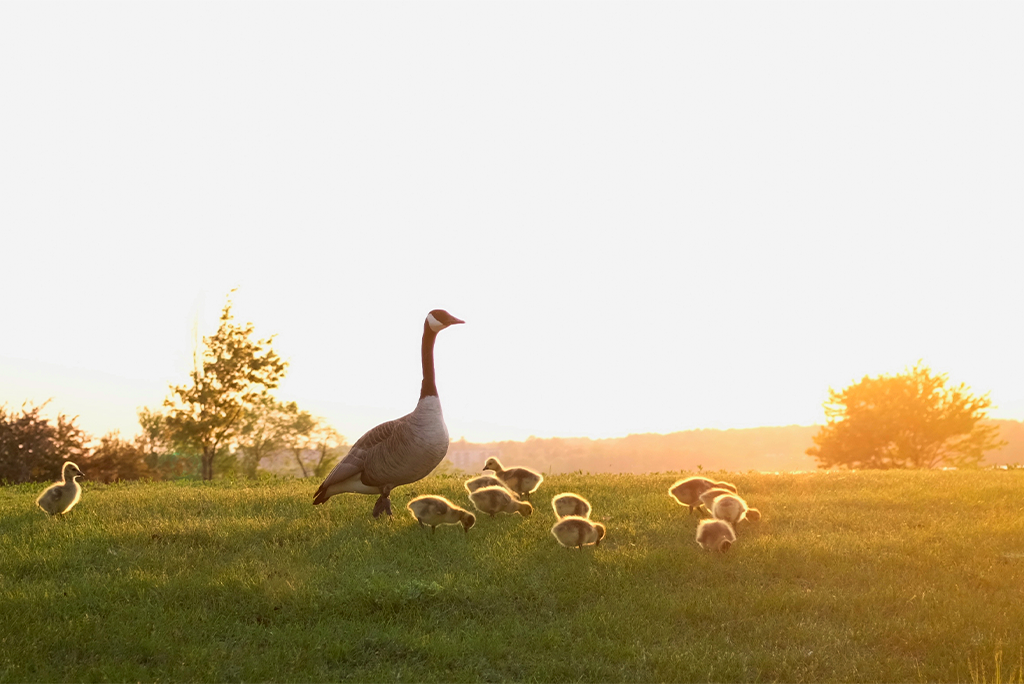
[321, 496]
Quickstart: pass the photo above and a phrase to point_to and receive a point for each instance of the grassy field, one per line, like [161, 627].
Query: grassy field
[853, 577]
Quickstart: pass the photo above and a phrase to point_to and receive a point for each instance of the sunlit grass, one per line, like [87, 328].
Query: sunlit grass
[881, 576]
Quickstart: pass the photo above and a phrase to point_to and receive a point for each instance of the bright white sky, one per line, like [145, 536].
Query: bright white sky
[652, 216]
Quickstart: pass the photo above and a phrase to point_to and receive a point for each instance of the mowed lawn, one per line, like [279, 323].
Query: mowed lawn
[853, 577]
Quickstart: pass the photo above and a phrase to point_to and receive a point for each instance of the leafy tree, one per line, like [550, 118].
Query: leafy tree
[908, 420]
[117, 459]
[234, 372]
[315, 445]
[299, 437]
[267, 427]
[32, 448]
[327, 446]
[165, 458]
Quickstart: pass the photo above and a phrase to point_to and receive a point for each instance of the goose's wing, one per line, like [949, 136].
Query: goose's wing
[364, 450]
[50, 497]
[388, 454]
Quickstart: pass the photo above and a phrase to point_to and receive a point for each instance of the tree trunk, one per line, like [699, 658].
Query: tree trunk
[298, 458]
[208, 464]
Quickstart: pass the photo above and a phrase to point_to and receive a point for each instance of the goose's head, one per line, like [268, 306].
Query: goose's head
[468, 520]
[492, 464]
[439, 319]
[600, 533]
[753, 515]
[525, 509]
[70, 470]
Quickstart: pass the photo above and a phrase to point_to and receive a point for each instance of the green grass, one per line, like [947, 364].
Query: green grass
[854, 577]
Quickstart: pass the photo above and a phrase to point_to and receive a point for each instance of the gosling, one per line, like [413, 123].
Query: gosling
[732, 509]
[437, 510]
[709, 496]
[522, 481]
[687, 492]
[60, 497]
[482, 481]
[492, 500]
[570, 504]
[715, 535]
[576, 531]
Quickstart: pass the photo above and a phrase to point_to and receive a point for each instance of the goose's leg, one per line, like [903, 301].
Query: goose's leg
[383, 503]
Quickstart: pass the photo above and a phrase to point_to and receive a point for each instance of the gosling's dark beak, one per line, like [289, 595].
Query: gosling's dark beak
[456, 321]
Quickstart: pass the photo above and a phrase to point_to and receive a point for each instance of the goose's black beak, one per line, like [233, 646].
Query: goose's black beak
[456, 321]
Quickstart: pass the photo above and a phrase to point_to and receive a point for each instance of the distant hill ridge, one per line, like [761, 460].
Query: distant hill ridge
[768, 449]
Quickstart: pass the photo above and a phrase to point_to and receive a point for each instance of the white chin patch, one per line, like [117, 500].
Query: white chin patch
[434, 324]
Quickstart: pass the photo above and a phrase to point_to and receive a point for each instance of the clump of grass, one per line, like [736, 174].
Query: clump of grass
[979, 674]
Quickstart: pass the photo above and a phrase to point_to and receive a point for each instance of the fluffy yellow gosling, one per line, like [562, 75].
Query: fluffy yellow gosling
[687, 492]
[709, 496]
[575, 531]
[437, 510]
[493, 500]
[715, 535]
[479, 481]
[522, 481]
[570, 504]
[732, 509]
[60, 497]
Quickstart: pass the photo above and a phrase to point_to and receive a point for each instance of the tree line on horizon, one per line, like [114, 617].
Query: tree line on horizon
[913, 419]
[224, 421]
[762, 449]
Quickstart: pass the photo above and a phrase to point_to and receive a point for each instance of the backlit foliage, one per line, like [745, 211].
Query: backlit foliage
[232, 374]
[908, 420]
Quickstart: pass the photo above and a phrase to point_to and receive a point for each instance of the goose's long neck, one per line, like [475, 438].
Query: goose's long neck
[429, 388]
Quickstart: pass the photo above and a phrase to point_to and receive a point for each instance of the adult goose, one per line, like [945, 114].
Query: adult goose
[61, 496]
[399, 451]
